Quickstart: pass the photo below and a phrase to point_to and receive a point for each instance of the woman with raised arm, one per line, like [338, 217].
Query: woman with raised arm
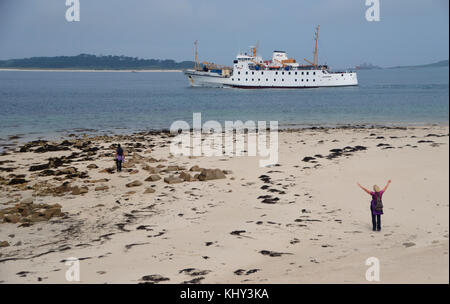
[376, 205]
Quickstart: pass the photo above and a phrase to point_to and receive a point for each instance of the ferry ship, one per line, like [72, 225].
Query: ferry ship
[251, 71]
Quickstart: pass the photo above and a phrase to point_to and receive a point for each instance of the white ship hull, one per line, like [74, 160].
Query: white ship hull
[254, 79]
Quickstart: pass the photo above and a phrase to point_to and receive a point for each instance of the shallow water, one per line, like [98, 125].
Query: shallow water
[50, 104]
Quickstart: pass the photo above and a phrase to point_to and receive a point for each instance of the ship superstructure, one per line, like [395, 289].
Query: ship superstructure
[251, 71]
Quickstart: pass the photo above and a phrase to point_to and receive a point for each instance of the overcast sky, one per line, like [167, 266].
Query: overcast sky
[410, 31]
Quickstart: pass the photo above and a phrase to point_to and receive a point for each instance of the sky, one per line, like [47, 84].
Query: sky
[409, 31]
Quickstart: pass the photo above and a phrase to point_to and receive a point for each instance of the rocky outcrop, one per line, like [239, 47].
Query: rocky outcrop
[135, 183]
[28, 212]
[211, 174]
[185, 176]
[173, 180]
[153, 178]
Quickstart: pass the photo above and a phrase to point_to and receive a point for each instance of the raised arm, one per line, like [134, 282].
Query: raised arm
[387, 185]
[359, 185]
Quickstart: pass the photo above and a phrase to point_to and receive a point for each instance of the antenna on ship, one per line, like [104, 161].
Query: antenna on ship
[315, 60]
[196, 65]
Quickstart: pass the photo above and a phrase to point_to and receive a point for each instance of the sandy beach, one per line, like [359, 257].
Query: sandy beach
[164, 220]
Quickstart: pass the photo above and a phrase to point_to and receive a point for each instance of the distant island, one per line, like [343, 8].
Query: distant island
[94, 62]
[442, 63]
[369, 66]
[110, 62]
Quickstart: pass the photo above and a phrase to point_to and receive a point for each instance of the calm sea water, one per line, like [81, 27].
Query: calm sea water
[48, 104]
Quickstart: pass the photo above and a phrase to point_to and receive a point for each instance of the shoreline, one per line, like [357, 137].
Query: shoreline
[300, 221]
[86, 70]
[11, 140]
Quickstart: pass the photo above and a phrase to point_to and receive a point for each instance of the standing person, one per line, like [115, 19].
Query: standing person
[120, 157]
[376, 205]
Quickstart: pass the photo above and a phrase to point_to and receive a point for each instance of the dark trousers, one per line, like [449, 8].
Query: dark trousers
[376, 222]
[119, 165]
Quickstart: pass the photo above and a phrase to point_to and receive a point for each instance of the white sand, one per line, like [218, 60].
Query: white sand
[329, 245]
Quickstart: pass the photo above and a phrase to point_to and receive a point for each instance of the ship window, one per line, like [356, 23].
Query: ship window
[303, 73]
[246, 79]
[262, 73]
[253, 73]
[307, 79]
[267, 79]
[295, 79]
[282, 73]
[289, 73]
[282, 79]
[259, 79]
[239, 79]
[274, 79]
[314, 73]
[232, 79]
[302, 79]
[246, 73]
[314, 80]
[307, 73]
[253, 79]
[276, 73]
[295, 73]
[239, 73]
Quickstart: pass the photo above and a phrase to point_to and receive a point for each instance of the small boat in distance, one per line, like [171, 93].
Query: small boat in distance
[250, 71]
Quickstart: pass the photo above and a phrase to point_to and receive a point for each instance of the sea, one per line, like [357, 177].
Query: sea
[51, 105]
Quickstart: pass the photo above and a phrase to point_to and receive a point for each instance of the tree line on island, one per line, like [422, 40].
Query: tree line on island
[94, 62]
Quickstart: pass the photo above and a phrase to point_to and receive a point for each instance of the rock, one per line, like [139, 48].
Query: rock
[153, 178]
[69, 170]
[65, 187]
[149, 190]
[17, 181]
[308, 158]
[47, 172]
[11, 218]
[110, 170]
[27, 201]
[172, 180]
[92, 166]
[210, 174]
[135, 183]
[39, 167]
[55, 162]
[227, 172]
[51, 212]
[4, 244]
[185, 176]
[79, 190]
[172, 168]
[196, 169]
[27, 213]
[409, 244]
[154, 278]
[151, 170]
[101, 188]
[134, 171]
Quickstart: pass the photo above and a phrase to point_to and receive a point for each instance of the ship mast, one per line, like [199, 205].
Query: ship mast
[315, 49]
[196, 65]
[315, 60]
